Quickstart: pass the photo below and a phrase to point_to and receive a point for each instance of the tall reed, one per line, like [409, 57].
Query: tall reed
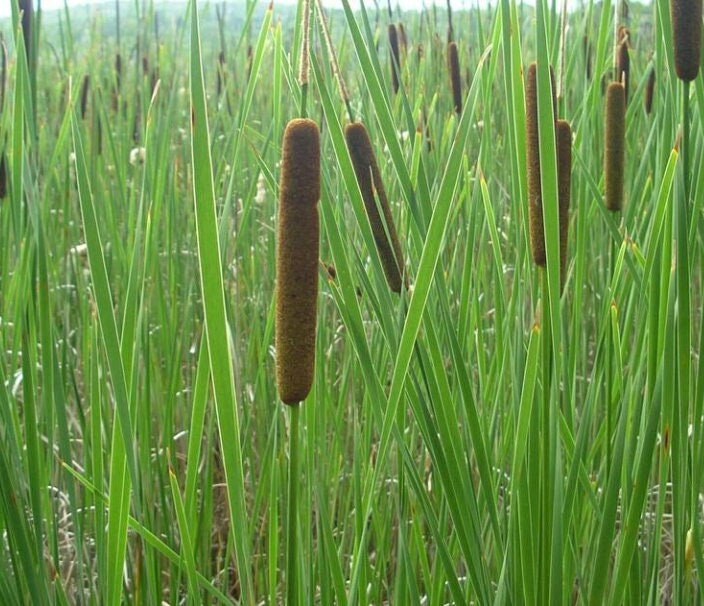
[453, 64]
[649, 91]
[395, 57]
[564, 179]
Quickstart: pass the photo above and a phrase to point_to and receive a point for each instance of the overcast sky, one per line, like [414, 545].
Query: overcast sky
[53, 4]
[404, 4]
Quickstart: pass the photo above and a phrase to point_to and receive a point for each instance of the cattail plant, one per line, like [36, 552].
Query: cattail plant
[250, 58]
[220, 72]
[3, 175]
[649, 91]
[623, 70]
[687, 37]
[370, 183]
[453, 63]
[298, 242]
[450, 29]
[587, 50]
[297, 260]
[27, 11]
[403, 40]
[535, 197]
[564, 173]
[614, 145]
[3, 88]
[395, 57]
[85, 88]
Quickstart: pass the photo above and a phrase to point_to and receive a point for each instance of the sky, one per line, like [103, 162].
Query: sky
[5, 9]
[404, 4]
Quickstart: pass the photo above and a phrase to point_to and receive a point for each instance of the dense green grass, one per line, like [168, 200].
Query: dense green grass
[483, 437]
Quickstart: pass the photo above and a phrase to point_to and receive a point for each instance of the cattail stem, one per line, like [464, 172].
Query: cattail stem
[292, 580]
[333, 59]
[304, 66]
[395, 58]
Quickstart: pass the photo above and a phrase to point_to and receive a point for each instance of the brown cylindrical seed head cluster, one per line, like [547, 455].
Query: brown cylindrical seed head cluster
[26, 8]
[403, 39]
[84, 96]
[614, 146]
[687, 37]
[535, 204]
[370, 183]
[453, 64]
[564, 173]
[624, 67]
[298, 235]
[3, 176]
[650, 91]
[395, 57]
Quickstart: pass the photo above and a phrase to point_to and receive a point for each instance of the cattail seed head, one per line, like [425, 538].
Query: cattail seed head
[614, 145]
[587, 49]
[623, 71]
[84, 95]
[453, 63]
[3, 176]
[687, 37]
[564, 173]
[370, 183]
[298, 235]
[3, 73]
[650, 91]
[27, 10]
[535, 196]
[402, 38]
[395, 57]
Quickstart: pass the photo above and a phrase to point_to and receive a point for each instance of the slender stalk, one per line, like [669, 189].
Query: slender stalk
[292, 569]
[546, 467]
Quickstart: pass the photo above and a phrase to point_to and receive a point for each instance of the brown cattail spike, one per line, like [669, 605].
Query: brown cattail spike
[395, 57]
[453, 63]
[614, 145]
[27, 10]
[84, 96]
[624, 67]
[370, 183]
[3, 176]
[403, 39]
[687, 37]
[535, 196]
[650, 91]
[564, 172]
[298, 235]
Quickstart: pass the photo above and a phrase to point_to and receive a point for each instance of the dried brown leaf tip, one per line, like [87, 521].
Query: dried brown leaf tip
[453, 64]
[298, 235]
[373, 193]
[687, 37]
[614, 146]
